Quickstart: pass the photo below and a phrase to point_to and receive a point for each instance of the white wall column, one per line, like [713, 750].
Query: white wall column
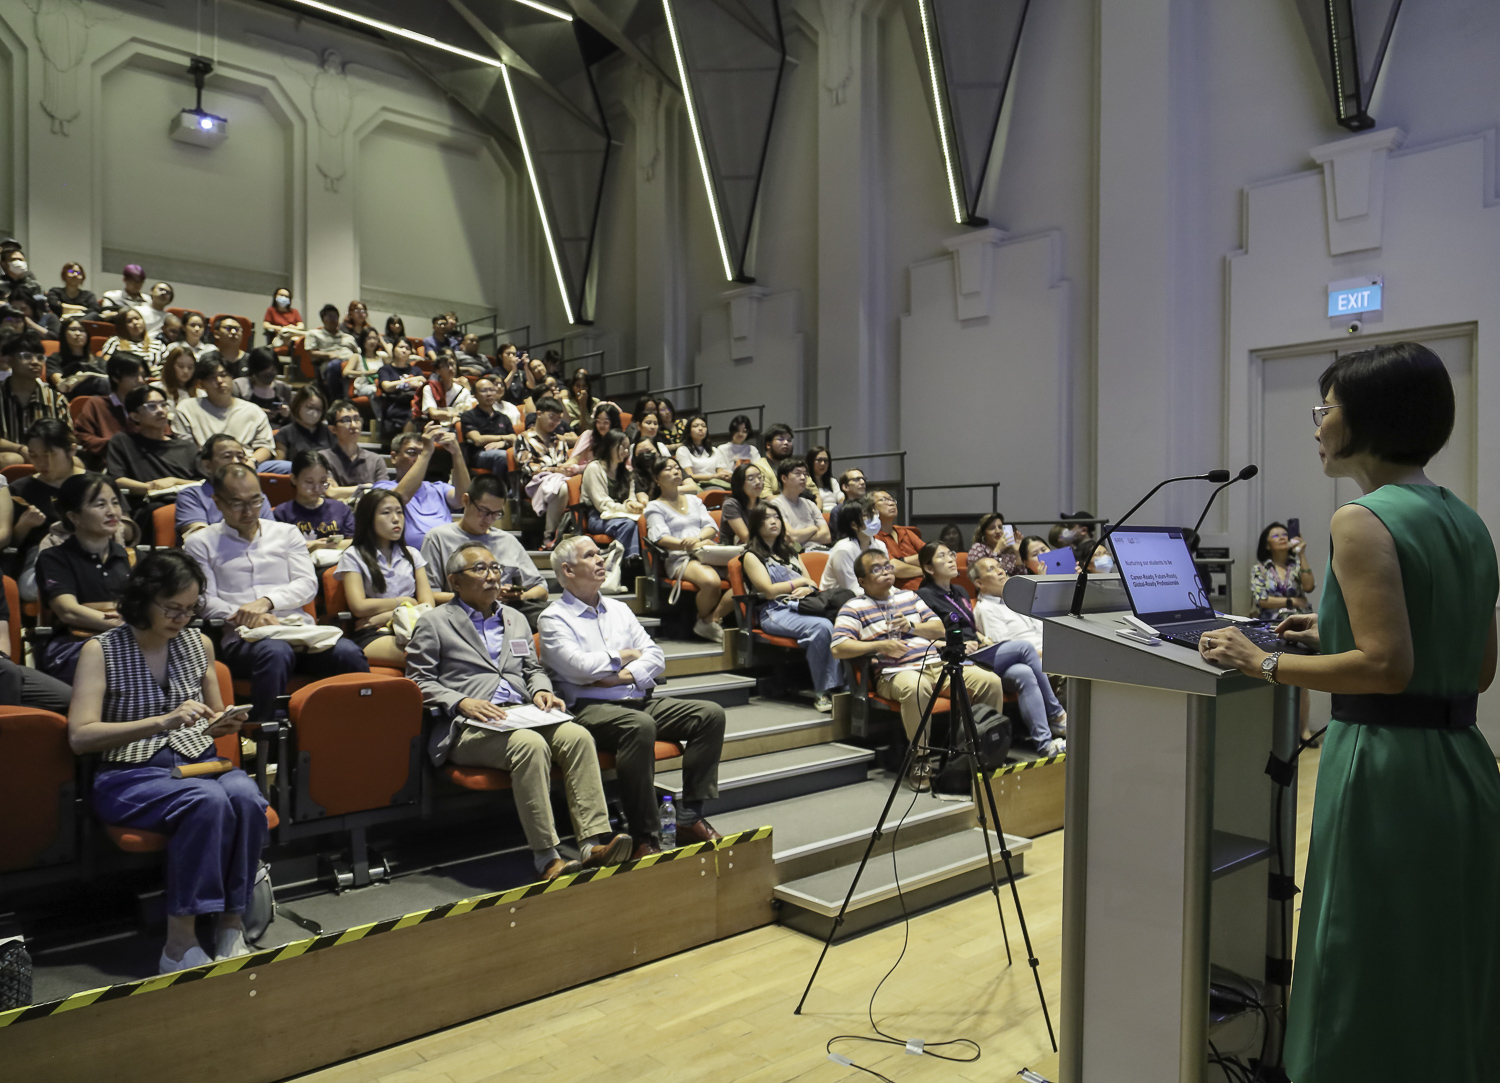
[657, 115]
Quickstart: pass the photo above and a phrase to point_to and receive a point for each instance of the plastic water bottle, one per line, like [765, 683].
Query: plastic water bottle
[668, 823]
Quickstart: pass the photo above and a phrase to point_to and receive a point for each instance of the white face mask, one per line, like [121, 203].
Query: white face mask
[872, 525]
[18, 266]
[283, 302]
[1104, 564]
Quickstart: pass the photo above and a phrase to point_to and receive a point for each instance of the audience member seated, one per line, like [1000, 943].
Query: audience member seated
[1068, 534]
[80, 579]
[327, 524]
[22, 685]
[259, 576]
[606, 419]
[282, 324]
[679, 524]
[445, 397]
[217, 411]
[471, 362]
[195, 334]
[358, 375]
[701, 462]
[774, 572]
[350, 465]
[511, 377]
[820, 479]
[902, 543]
[395, 330]
[1041, 714]
[521, 584]
[150, 464]
[131, 337]
[1279, 580]
[429, 504]
[614, 506]
[546, 468]
[606, 667]
[993, 538]
[101, 416]
[196, 507]
[399, 383]
[307, 431]
[228, 345]
[162, 295]
[26, 397]
[71, 299]
[472, 657]
[444, 335]
[171, 330]
[779, 440]
[897, 627]
[130, 296]
[579, 401]
[17, 273]
[73, 370]
[381, 573]
[741, 446]
[1098, 557]
[329, 345]
[852, 484]
[35, 315]
[49, 447]
[855, 525]
[263, 386]
[952, 537]
[487, 430]
[178, 380]
[643, 406]
[802, 522]
[673, 428]
[147, 697]
[992, 616]
[356, 320]
[745, 487]
[644, 432]
[1027, 556]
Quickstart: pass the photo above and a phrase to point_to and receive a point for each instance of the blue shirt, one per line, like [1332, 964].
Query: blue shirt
[196, 505]
[491, 629]
[427, 508]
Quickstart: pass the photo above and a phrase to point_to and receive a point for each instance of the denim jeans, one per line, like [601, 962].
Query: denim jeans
[1019, 661]
[813, 634]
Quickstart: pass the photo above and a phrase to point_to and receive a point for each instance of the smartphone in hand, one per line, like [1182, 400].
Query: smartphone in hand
[1294, 528]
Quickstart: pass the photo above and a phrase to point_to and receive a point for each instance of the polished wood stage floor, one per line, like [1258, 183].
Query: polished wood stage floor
[724, 1011]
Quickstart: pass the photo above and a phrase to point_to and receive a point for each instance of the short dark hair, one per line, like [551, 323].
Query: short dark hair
[336, 407]
[305, 459]
[549, 405]
[138, 396]
[52, 433]
[211, 446]
[484, 485]
[159, 574]
[119, 366]
[208, 367]
[1026, 542]
[222, 317]
[1397, 402]
[864, 560]
[790, 463]
[781, 428]
[20, 342]
[326, 309]
[1262, 546]
[849, 516]
[74, 493]
[262, 359]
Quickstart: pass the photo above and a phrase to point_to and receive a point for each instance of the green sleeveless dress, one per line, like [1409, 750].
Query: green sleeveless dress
[1397, 973]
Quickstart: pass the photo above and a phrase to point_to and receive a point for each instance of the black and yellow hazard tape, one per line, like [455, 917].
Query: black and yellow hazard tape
[361, 932]
[1017, 768]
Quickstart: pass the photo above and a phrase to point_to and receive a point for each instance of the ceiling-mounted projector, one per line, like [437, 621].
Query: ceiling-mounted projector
[196, 125]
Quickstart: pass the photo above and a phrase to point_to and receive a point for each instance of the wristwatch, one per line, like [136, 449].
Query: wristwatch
[1268, 667]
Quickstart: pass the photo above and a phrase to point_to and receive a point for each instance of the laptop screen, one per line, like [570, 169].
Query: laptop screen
[1159, 576]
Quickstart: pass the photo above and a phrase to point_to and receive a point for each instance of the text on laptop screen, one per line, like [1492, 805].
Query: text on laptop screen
[1159, 572]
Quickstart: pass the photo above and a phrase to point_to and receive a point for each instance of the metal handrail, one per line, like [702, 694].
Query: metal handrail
[603, 376]
[696, 389]
[496, 330]
[900, 482]
[732, 411]
[814, 428]
[992, 486]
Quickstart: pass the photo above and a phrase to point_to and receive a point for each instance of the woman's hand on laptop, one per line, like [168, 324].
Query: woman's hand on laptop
[1301, 629]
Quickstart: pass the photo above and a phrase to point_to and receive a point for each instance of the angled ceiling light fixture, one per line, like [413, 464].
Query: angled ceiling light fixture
[944, 134]
[536, 191]
[554, 12]
[692, 111]
[397, 31]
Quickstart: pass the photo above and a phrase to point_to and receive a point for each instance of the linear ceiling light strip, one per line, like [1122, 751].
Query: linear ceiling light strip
[692, 111]
[398, 31]
[554, 12]
[959, 214]
[536, 188]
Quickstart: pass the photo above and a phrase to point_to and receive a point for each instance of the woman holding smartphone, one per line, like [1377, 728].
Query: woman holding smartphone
[146, 696]
[1406, 631]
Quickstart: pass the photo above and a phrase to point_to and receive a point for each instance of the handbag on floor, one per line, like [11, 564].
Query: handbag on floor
[956, 775]
[15, 974]
[262, 909]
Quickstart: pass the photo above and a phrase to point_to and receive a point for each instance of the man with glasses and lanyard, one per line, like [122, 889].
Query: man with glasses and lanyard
[259, 572]
[521, 584]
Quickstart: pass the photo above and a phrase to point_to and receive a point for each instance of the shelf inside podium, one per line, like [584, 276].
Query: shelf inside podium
[1232, 852]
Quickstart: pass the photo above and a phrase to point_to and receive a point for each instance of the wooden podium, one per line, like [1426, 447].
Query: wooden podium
[1170, 847]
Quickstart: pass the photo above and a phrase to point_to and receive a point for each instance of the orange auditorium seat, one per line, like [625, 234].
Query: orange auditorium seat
[37, 772]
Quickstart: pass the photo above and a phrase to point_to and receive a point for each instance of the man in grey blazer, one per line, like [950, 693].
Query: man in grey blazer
[473, 657]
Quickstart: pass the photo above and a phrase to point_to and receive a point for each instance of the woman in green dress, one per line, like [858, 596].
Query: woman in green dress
[1397, 973]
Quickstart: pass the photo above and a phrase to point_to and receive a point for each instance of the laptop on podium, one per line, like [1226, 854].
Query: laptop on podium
[1166, 591]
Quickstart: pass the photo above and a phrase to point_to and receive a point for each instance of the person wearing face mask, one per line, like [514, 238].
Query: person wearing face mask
[1099, 560]
[282, 324]
[71, 299]
[307, 431]
[855, 525]
[26, 397]
[18, 271]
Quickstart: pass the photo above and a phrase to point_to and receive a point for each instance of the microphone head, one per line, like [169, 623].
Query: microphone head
[1249, 472]
[1216, 476]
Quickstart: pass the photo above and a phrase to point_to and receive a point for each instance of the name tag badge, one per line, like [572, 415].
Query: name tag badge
[521, 648]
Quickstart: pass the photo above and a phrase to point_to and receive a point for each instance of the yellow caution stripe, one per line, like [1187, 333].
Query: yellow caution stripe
[360, 932]
[1017, 768]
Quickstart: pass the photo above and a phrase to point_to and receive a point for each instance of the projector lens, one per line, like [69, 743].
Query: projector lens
[205, 123]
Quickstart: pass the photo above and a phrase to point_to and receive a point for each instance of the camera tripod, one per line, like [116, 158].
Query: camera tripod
[964, 736]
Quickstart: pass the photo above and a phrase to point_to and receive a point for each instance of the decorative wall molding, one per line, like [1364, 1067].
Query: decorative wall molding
[1354, 188]
[836, 45]
[744, 304]
[62, 36]
[973, 258]
[644, 105]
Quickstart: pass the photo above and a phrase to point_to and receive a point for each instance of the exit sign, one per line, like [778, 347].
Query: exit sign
[1356, 296]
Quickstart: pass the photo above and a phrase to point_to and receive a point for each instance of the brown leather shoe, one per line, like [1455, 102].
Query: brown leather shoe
[612, 852]
[560, 866]
[645, 849]
[700, 830]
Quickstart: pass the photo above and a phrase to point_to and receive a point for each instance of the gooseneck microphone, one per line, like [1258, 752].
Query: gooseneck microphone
[1244, 475]
[1215, 476]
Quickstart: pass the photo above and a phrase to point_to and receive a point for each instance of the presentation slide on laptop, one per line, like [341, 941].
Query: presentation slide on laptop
[1159, 570]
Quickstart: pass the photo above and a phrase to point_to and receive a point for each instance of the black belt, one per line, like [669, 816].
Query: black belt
[633, 704]
[1408, 710]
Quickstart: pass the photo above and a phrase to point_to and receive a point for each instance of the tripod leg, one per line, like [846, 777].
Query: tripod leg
[972, 733]
[875, 836]
[958, 698]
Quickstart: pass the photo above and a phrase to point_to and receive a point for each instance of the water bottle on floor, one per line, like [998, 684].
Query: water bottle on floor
[668, 823]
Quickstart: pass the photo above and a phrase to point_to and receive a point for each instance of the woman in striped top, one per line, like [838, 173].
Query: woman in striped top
[147, 697]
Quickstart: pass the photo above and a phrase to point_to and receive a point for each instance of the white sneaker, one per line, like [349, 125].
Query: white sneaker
[823, 703]
[1059, 724]
[1056, 746]
[707, 629]
[230, 944]
[194, 956]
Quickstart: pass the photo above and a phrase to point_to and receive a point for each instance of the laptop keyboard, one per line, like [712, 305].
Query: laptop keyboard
[1261, 634]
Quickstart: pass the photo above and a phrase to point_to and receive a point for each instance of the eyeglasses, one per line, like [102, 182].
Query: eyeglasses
[485, 570]
[242, 505]
[1320, 412]
[485, 513]
[347, 419]
[179, 612]
[874, 568]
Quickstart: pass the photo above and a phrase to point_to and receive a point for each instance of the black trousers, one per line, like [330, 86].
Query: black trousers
[22, 686]
[631, 729]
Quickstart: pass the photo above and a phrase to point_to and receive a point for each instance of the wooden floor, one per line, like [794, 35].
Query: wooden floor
[724, 1011]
